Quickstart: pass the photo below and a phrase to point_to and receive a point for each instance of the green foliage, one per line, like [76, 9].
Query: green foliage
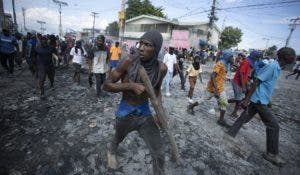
[230, 37]
[138, 7]
[113, 29]
[271, 51]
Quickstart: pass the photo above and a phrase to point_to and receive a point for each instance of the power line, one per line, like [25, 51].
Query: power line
[252, 6]
[260, 5]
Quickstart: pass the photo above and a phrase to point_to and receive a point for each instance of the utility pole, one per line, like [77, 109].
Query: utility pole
[94, 16]
[60, 4]
[24, 24]
[15, 18]
[292, 27]
[42, 28]
[122, 21]
[1, 15]
[267, 43]
[212, 17]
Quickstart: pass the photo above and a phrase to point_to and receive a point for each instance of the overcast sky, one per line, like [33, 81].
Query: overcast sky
[258, 23]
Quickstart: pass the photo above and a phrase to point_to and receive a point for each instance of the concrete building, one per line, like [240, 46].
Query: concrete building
[175, 33]
[87, 33]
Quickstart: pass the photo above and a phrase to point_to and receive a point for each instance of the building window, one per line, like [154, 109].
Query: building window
[163, 28]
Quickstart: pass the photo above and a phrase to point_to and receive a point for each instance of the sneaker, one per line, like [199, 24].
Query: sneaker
[168, 94]
[190, 100]
[275, 159]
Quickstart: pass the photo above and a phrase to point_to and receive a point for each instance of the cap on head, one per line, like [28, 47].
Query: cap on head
[155, 38]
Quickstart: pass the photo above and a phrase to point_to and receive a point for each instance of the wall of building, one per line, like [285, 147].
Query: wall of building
[135, 29]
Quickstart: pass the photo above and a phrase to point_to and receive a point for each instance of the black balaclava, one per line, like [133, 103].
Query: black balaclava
[196, 62]
[151, 66]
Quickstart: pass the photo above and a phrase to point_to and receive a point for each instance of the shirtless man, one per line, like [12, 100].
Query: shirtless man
[133, 112]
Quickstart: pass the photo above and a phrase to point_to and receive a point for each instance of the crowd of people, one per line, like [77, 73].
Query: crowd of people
[253, 83]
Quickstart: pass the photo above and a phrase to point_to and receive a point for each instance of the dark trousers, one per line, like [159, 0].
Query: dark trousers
[10, 59]
[100, 78]
[266, 117]
[41, 75]
[148, 130]
[19, 58]
[182, 79]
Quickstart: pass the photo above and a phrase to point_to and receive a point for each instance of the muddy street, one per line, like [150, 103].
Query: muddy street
[67, 133]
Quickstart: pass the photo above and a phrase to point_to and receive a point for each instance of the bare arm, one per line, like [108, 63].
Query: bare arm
[241, 77]
[213, 80]
[249, 94]
[163, 74]
[200, 78]
[111, 84]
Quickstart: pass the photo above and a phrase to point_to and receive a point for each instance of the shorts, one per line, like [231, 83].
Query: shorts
[114, 63]
[77, 67]
[222, 101]
[238, 91]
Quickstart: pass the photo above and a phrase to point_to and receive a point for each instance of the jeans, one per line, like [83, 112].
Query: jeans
[148, 130]
[167, 81]
[267, 118]
[100, 78]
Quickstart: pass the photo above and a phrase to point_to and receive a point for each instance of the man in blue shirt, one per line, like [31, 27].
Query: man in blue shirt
[259, 97]
[8, 44]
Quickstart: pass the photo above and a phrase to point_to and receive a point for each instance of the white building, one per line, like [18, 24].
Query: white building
[176, 34]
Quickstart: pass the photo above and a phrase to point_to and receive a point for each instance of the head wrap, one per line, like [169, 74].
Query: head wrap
[151, 66]
[254, 56]
[155, 38]
[196, 62]
[226, 54]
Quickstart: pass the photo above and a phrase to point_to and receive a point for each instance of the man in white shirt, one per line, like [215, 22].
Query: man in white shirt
[171, 62]
[100, 54]
[78, 53]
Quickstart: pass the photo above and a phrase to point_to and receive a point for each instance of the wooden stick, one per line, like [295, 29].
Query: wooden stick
[161, 114]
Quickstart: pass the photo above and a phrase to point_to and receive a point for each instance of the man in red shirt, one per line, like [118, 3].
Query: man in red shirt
[239, 83]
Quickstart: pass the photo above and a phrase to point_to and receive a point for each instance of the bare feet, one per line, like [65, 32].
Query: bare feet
[223, 123]
[112, 160]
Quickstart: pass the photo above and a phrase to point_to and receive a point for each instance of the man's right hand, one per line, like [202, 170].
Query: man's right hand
[138, 88]
[245, 103]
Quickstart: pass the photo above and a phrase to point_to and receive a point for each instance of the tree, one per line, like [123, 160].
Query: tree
[138, 7]
[271, 51]
[113, 29]
[230, 37]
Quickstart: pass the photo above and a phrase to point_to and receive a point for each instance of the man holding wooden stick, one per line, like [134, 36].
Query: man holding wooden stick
[133, 113]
